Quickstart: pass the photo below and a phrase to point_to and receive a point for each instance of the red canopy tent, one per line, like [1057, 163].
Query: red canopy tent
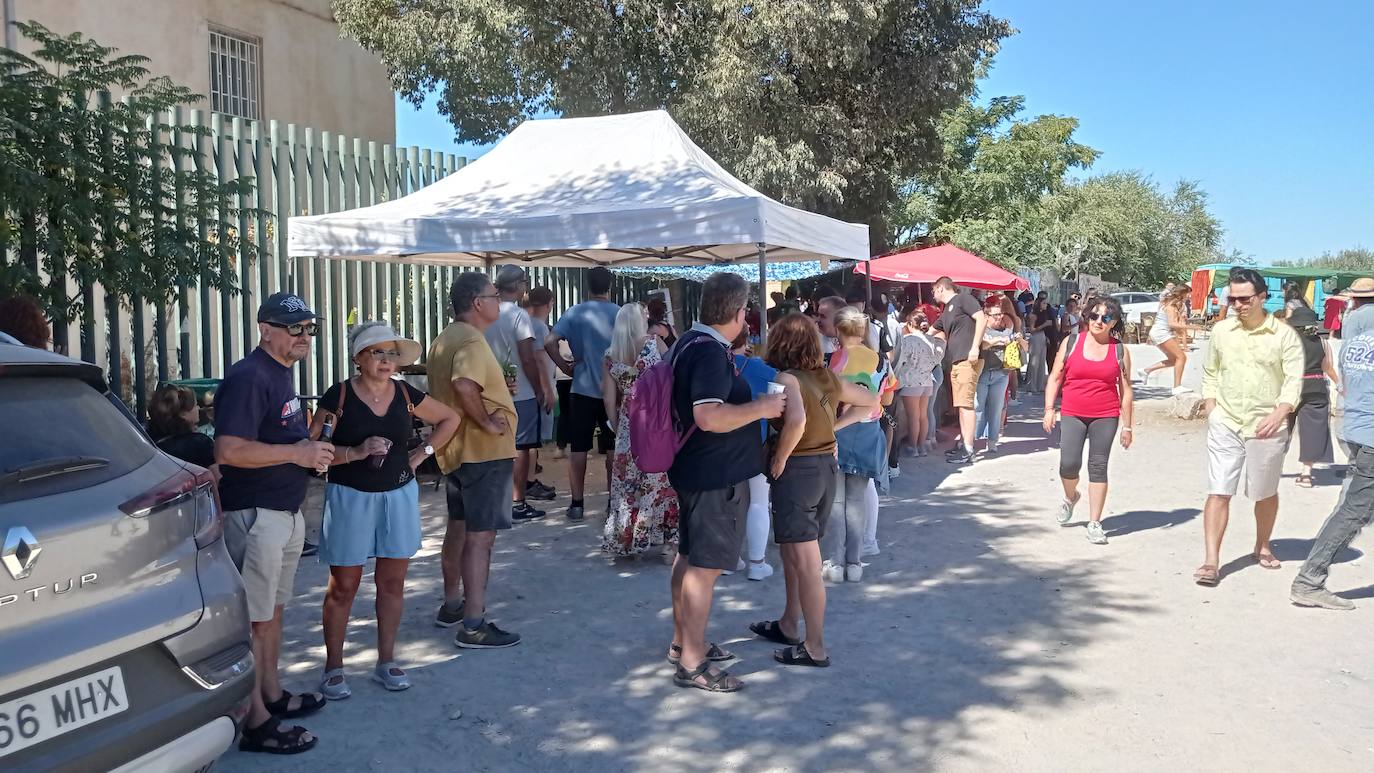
[931, 263]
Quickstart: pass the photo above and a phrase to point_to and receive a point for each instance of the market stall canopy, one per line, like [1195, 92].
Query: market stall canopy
[777, 272]
[613, 191]
[931, 263]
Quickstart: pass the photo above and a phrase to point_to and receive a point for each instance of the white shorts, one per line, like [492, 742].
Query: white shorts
[917, 391]
[1228, 453]
[1158, 338]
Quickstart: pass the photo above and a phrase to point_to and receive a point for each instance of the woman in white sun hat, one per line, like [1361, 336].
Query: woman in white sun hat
[371, 500]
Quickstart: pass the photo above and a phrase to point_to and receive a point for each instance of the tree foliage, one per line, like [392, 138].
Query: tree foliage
[985, 193]
[825, 105]
[1349, 259]
[95, 190]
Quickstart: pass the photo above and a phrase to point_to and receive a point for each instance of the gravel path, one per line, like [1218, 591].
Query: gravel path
[984, 637]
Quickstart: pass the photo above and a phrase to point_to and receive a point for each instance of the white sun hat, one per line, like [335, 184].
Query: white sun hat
[368, 334]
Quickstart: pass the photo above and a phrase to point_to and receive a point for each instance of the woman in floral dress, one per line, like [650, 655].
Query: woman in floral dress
[643, 507]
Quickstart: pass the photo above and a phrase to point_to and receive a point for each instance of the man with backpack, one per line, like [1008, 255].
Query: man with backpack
[711, 471]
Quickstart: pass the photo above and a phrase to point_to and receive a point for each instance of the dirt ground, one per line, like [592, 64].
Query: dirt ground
[983, 637]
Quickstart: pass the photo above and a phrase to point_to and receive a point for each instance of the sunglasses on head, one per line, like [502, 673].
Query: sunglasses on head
[1105, 318]
[298, 329]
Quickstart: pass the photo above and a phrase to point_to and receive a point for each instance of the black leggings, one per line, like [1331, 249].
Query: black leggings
[1099, 433]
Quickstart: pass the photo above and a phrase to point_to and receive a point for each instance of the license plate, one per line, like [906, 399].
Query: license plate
[46, 714]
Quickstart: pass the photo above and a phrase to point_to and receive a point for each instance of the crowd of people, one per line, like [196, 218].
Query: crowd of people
[795, 439]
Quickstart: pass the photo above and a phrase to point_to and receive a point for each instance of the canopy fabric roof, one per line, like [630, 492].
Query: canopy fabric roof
[931, 263]
[777, 272]
[615, 190]
[1342, 277]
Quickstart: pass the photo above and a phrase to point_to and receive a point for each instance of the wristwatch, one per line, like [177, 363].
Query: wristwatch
[429, 450]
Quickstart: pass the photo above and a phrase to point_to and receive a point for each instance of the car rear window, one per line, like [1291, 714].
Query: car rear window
[46, 418]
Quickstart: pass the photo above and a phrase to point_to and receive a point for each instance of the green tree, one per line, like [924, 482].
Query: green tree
[90, 187]
[985, 194]
[1349, 259]
[1122, 226]
[826, 105]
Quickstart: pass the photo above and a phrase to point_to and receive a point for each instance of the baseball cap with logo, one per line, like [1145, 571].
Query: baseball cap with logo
[285, 309]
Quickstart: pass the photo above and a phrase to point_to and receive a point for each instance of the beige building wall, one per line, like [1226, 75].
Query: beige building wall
[309, 75]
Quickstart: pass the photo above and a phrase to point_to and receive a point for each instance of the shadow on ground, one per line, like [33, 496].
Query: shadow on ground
[944, 623]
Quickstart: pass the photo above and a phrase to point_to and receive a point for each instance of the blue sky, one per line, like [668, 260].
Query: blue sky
[1268, 104]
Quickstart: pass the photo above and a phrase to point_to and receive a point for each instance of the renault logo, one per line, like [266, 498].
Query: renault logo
[20, 552]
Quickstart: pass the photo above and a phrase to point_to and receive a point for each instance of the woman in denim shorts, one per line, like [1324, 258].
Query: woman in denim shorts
[371, 501]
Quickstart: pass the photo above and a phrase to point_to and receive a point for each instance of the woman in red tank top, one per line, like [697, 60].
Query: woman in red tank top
[1098, 398]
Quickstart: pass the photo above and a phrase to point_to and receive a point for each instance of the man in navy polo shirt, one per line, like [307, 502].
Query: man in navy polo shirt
[711, 472]
[263, 447]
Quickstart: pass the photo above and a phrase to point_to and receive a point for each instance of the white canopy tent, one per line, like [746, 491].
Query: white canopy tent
[612, 191]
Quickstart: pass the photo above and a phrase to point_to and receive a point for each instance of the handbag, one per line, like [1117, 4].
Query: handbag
[1011, 358]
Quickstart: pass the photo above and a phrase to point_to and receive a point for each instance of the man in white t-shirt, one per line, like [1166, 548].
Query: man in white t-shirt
[512, 341]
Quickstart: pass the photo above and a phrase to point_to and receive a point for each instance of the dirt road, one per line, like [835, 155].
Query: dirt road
[984, 637]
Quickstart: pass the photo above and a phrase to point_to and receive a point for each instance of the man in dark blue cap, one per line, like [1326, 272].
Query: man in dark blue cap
[263, 447]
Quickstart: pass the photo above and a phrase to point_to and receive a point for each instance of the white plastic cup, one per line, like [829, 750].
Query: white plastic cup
[774, 388]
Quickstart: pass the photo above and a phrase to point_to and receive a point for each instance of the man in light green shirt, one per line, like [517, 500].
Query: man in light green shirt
[1251, 381]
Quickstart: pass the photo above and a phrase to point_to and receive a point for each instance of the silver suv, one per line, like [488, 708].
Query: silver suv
[124, 637]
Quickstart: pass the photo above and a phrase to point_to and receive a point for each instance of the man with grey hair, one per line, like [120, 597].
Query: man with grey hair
[265, 454]
[511, 339]
[711, 472]
[477, 462]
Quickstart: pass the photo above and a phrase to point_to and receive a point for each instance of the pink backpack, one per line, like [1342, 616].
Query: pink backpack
[655, 432]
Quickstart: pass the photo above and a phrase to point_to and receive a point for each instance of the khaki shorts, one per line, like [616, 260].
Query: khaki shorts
[963, 382]
[266, 547]
[1260, 458]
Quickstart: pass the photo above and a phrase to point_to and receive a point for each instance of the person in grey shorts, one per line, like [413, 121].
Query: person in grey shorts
[711, 473]
[512, 341]
[478, 461]
[265, 454]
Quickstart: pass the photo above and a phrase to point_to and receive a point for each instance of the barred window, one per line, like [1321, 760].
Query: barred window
[234, 74]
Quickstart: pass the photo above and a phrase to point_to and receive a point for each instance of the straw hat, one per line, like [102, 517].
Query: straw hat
[1361, 288]
[368, 334]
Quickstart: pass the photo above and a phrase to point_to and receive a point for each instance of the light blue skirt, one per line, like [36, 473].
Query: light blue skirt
[359, 525]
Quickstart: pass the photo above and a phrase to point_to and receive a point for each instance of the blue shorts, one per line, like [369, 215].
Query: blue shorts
[359, 525]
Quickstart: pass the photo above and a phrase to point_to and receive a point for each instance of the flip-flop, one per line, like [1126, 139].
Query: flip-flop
[770, 630]
[1303, 481]
[714, 653]
[798, 656]
[1268, 561]
[1206, 575]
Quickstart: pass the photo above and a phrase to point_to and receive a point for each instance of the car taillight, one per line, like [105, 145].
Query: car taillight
[191, 484]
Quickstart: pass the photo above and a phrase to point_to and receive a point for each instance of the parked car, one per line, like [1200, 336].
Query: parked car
[124, 634]
[1133, 304]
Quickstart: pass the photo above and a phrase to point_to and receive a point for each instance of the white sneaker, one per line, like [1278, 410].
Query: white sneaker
[853, 572]
[1181, 390]
[1065, 513]
[1095, 533]
[894, 473]
[738, 568]
[760, 570]
[870, 549]
[832, 572]
[1142, 376]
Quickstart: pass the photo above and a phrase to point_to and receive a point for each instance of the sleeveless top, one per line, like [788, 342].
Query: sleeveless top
[1313, 357]
[1161, 326]
[1091, 387]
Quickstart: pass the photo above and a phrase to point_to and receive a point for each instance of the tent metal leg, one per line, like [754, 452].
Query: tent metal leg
[763, 297]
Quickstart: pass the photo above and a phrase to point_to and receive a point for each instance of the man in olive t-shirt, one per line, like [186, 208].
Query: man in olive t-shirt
[477, 463]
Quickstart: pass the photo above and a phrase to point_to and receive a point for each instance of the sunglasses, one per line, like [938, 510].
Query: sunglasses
[1105, 319]
[298, 329]
[383, 354]
[490, 295]
[1242, 299]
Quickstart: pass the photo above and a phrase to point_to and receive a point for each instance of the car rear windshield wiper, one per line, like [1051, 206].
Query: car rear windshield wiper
[48, 468]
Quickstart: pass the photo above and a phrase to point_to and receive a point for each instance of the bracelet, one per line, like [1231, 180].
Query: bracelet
[1128, 429]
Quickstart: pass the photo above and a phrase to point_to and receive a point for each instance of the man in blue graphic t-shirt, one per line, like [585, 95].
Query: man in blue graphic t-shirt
[1356, 506]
